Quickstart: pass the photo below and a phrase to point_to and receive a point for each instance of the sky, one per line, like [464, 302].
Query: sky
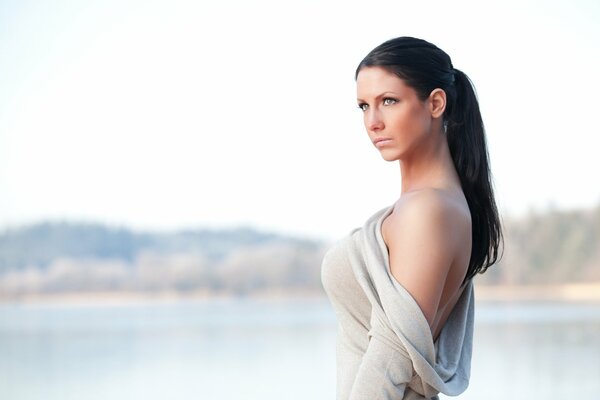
[180, 115]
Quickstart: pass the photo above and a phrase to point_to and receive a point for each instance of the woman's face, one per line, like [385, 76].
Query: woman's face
[392, 111]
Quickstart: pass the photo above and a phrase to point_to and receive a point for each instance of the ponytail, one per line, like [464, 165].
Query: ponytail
[467, 144]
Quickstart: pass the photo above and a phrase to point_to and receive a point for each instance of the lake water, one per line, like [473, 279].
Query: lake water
[269, 349]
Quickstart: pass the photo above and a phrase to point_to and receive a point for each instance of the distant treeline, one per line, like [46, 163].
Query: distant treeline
[550, 247]
[68, 257]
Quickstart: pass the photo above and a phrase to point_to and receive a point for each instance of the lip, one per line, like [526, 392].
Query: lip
[381, 141]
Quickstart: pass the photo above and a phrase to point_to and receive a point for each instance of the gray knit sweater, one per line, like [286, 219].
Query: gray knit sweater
[384, 347]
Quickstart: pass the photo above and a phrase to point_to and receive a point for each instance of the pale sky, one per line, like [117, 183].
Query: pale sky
[176, 114]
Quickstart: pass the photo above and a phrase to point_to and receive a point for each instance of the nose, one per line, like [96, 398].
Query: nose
[373, 121]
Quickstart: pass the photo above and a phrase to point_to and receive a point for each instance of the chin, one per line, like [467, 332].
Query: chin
[389, 155]
[389, 158]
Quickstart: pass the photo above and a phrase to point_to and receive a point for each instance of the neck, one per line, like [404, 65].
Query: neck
[429, 166]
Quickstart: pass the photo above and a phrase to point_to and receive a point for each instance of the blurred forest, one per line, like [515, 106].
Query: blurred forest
[57, 257]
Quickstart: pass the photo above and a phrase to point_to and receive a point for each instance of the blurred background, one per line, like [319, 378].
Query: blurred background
[172, 173]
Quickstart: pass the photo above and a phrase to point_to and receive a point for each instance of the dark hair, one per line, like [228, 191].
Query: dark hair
[425, 67]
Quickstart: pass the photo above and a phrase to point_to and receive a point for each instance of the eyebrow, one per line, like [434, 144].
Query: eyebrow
[379, 96]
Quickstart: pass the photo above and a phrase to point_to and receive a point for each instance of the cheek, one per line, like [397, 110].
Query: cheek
[405, 122]
[413, 122]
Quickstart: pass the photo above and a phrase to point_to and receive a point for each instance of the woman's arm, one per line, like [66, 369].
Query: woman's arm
[383, 374]
[422, 243]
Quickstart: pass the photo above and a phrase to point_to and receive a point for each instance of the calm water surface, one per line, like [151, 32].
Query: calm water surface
[269, 349]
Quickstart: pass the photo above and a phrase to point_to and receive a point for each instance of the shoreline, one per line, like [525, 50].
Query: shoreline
[568, 292]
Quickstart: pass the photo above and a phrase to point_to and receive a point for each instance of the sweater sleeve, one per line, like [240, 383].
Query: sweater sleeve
[384, 373]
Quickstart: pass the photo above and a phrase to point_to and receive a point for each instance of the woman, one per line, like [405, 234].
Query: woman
[401, 284]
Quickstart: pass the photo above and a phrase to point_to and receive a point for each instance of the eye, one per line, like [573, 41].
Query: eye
[388, 101]
[363, 106]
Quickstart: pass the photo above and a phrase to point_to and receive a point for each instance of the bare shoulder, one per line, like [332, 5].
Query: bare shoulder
[424, 235]
[430, 210]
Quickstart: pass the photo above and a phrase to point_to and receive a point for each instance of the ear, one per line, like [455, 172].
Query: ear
[437, 102]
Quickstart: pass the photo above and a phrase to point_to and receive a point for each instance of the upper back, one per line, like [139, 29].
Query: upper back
[454, 210]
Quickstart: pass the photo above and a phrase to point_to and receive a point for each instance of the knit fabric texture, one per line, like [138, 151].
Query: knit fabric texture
[384, 346]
